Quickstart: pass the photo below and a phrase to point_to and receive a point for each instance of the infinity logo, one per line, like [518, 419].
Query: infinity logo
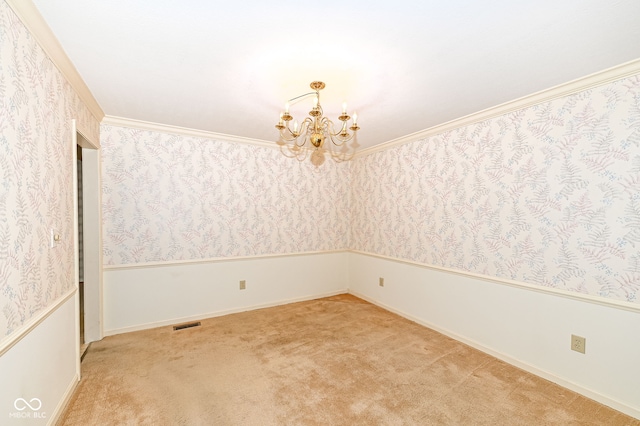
[21, 402]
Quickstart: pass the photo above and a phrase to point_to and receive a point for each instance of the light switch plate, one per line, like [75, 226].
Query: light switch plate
[54, 238]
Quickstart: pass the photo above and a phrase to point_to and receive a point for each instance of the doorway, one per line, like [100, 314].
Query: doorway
[88, 245]
[83, 345]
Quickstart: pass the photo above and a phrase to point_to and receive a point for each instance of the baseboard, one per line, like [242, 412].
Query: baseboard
[603, 399]
[218, 313]
[62, 405]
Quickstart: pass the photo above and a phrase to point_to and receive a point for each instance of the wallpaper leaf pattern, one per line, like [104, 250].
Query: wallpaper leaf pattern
[547, 195]
[170, 197]
[36, 187]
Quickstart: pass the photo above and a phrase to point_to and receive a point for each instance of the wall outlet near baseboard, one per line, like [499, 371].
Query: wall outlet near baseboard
[243, 284]
[381, 282]
[578, 343]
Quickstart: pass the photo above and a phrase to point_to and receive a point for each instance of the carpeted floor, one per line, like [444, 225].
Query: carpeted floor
[332, 361]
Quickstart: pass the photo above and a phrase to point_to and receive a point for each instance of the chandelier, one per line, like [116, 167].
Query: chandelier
[315, 130]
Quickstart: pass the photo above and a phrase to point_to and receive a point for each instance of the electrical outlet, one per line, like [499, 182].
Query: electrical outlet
[578, 343]
[243, 284]
[381, 282]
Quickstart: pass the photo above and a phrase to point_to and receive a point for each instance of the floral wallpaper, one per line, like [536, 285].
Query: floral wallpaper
[170, 197]
[547, 195]
[37, 105]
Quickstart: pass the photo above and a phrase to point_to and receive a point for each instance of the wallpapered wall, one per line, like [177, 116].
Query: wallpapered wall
[169, 197]
[547, 195]
[36, 186]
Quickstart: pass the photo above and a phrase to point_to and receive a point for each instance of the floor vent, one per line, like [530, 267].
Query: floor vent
[187, 325]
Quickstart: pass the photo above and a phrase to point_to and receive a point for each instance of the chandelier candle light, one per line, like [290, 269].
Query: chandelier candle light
[316, 129]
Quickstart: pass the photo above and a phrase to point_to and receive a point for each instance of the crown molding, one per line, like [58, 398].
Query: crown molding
[584, 83]
[39, 29]
[184, 131]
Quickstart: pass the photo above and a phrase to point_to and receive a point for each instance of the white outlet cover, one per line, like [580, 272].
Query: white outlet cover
[54, 238]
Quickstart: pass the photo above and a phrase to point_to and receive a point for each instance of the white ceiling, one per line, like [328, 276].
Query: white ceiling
[403, 65]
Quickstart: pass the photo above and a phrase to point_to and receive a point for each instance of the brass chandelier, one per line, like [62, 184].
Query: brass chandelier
[316, 130]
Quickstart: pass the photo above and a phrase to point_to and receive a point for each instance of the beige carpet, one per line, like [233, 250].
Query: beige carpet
[332, 361]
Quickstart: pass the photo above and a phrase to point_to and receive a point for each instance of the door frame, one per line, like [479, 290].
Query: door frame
[92, 237]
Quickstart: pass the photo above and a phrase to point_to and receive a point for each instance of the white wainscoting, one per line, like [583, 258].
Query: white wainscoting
[524, 327]
[41, 365]
[147, 296]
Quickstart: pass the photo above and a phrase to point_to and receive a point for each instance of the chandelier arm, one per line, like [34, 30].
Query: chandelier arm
[286, 135]
[330, 126]
[304, 130]
[342, 140]
[306, 121]
[333, 134]
[346, 153]
[327, 125]
[341, 158]
[289, 136]
[298, 154]
[302, 96]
